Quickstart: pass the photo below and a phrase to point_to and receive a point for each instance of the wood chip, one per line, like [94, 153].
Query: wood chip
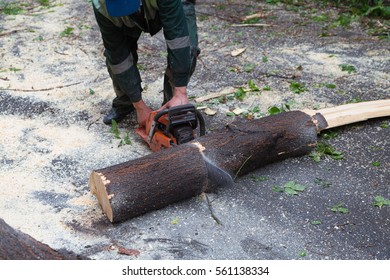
[238, 111]
[257, 15]
[128, 252]
[210, 112]
[237, 52]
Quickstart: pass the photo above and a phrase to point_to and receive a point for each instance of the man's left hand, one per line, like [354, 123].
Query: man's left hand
[179, 98]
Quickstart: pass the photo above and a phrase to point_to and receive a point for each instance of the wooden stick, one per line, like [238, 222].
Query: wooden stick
[251, 25]
[353, 113]
[41, 89]
[222, 92]
[256, 15]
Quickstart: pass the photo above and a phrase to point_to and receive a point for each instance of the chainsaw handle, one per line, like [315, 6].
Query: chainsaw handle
[160, 114]
[202, 126]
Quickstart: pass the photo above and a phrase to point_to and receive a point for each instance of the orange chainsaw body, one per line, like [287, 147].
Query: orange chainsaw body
[170, 127]
[158, 140]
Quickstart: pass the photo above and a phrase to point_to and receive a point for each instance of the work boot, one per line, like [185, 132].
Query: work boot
[117, 114]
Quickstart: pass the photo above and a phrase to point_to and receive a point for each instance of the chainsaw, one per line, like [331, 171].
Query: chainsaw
[171, 127]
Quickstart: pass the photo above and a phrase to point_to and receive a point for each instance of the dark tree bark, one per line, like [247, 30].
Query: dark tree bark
[15, 245]
[135, 187]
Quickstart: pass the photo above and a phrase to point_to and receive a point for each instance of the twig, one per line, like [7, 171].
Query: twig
[242, 165]
[257, 15]
[91, 123]
[218, 221]
[251, 25]
[11, 32]
[41, 89]
[60, 53]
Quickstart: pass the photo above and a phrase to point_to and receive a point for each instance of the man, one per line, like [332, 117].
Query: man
[121, 23]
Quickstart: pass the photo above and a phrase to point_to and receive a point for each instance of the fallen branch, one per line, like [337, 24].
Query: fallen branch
[42, 89]
[217, 94]
[11, 32]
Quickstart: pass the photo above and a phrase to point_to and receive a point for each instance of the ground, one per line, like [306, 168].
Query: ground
[54, 91]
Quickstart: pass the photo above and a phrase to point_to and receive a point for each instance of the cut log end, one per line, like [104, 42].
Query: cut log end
[97, 183]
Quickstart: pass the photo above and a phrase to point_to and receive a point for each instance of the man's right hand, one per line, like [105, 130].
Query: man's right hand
[143, 112]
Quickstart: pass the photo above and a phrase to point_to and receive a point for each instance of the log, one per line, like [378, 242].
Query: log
[135, 187]
[16, 245]
[138, 186]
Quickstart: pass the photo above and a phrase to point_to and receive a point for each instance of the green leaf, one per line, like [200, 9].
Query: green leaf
[240, 94]
[44, 2]
[380, 201]
[376, 163]
[252, 86]
[230, 114]
[384, 125]
[261, 178]
[175, 221]
[323, 183]
[315, 222]
[329, 134]
[67, 32]
[265, 59]
[91, 91]
[274, 110]
[292, 188]
[256, 109]
[316, 156]
[355, 100]
[127, 139]
[277, 189]
[11, 8]
[319, 18]
[347, 68]
[297, 88]
[290, 191]
[330, 86]
[323, 149]
[249, 67]
[339, 208]
[13, 69]
[114, 129]
[39, 38]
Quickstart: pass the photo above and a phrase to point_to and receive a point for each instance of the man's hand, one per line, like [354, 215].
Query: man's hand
[143, 112]
[179, 98]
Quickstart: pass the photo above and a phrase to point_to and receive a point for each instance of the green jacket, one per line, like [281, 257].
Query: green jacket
[168, 15]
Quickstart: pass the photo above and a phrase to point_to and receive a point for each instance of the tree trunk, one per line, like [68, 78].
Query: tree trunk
[135, 187]
[138, 186]
[15, 245]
